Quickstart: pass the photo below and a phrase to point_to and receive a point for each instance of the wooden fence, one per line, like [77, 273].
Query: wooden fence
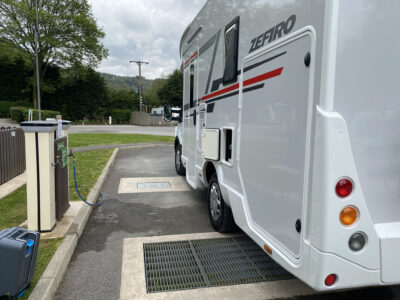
[12, 153]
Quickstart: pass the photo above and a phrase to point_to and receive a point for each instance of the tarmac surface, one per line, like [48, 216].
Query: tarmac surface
[132, 129]
[95, 269]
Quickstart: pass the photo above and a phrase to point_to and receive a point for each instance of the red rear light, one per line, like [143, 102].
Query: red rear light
[344, 187]
[330, 279]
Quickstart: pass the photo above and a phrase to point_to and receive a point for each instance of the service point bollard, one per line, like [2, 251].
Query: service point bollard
[39, 152]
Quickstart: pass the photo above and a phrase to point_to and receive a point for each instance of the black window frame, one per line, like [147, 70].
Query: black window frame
[191, 86]
[231, 59]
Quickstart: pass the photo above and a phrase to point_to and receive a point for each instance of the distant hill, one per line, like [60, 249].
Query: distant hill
[125, 82]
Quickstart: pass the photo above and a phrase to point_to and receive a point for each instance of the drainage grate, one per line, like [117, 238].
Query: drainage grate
[206, 263]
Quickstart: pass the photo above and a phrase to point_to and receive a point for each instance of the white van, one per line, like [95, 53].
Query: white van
[291, 122]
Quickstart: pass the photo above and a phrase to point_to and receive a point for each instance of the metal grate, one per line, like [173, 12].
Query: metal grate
[206, 263]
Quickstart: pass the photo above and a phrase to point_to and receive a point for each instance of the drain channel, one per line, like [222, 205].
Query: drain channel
[192, 264]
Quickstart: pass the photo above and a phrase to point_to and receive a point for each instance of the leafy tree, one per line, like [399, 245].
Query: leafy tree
[122, 99]
[82, 92]
[68, 34]
[151, 95]
[171, 92]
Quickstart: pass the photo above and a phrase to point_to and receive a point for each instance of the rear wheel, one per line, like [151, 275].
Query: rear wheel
[180, 169]
[221, 216]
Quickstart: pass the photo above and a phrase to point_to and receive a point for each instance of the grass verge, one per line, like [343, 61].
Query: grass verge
[91, 139]
[13, 207]
[47, 248]
[89, 166]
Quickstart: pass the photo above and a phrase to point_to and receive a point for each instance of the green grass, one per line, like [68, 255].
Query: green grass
[13, 208]
[91, 139]
[89, 166]
[47, 248]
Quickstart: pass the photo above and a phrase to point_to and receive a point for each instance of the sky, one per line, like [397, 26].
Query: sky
[147, 30]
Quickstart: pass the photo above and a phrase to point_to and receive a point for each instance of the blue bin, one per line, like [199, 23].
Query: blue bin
[18, 253]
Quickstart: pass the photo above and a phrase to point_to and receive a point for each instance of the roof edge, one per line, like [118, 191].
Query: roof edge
[188, 28]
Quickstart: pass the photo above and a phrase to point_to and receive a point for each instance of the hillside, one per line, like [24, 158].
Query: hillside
[125, 82]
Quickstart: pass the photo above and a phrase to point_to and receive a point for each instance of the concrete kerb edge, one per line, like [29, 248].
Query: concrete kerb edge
[54, 273]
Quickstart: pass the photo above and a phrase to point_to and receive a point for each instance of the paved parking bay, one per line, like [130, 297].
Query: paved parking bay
[129, 216]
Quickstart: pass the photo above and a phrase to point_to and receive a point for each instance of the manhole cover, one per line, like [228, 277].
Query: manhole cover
[208, 263]
[153, 185]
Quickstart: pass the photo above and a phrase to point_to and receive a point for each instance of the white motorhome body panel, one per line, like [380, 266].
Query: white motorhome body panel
[367, 95]
[210, 143]
[285, 162]
[273, 139]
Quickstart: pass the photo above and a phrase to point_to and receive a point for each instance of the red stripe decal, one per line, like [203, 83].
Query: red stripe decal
[247, 82]
[263, 77]
[193, 56]
[220, 92]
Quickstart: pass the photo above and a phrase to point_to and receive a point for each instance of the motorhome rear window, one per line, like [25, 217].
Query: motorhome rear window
[191, 85]
[231, 51]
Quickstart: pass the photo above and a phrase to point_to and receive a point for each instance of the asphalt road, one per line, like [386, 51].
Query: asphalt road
[95, 268]
[153, 130]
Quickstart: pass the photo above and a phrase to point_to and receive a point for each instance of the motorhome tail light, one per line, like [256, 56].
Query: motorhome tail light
[330, 279]
[348, 215]
[357, 241]
[344, 187]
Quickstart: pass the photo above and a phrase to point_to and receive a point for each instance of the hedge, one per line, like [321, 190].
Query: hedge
[121, 115]
[20, 114]
[6, 105]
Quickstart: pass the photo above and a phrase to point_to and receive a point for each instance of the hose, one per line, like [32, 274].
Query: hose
[77, 190]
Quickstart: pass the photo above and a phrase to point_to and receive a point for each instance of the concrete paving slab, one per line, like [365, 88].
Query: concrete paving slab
[10, 186]
[133, 284]
[65, 223]
[149, 185]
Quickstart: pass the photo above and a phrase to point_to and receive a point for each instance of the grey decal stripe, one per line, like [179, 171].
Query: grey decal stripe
[249, 89]
[195, 34]
[210, 107]
[212, 61]
[217, 82]
[262, 62]
[208, 44]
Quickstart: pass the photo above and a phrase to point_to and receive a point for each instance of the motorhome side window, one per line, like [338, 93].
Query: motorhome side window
[231, 52]
[191, 85]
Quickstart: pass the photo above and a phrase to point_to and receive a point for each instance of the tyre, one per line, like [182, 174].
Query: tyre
[221, 216]
[180, 169]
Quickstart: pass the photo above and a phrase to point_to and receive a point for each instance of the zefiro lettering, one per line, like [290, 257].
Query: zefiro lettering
[273, 33]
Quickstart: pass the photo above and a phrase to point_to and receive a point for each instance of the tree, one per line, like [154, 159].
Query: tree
[68, 34]
[171, 92]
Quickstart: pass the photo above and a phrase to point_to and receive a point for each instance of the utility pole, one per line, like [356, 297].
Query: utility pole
[139, 63]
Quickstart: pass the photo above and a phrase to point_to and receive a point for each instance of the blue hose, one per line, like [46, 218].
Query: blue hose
[79, 194]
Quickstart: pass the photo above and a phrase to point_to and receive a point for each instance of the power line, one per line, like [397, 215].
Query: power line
[168, 11]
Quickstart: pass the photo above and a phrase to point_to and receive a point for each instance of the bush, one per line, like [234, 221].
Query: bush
[6, 105]
[16, 114]
[20, 114]
[121, 115]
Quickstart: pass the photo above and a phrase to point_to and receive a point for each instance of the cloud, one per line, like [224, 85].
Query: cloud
[148, 30]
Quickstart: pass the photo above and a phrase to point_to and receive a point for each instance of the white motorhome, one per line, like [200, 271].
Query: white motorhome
[291, 123]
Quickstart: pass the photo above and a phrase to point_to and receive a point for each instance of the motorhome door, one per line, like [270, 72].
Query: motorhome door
[273, 140]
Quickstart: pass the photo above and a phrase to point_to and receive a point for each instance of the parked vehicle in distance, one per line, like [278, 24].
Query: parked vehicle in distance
[291, 123]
